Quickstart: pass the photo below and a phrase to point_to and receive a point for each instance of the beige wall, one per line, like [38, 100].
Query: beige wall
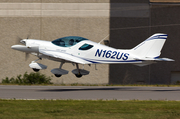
[49, 21]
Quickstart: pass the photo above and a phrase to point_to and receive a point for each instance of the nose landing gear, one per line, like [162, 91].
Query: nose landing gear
[36, 70]
[37, 66]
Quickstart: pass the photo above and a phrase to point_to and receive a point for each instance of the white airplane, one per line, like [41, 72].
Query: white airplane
[79, 50]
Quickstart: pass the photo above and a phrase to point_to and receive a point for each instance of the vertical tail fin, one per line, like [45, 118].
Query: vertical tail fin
[151, 47]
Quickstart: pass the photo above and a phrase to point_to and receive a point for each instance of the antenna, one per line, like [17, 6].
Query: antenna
[103, 39]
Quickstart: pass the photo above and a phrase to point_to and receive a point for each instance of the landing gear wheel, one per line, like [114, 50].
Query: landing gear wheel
[36, 70]
[58, 75]
[78, 75]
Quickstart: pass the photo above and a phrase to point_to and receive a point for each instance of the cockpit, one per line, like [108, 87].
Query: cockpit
[68, 41]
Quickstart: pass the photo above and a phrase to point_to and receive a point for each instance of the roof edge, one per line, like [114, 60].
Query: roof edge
[165, 1]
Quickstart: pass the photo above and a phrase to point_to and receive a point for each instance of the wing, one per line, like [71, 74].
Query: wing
[62, 55]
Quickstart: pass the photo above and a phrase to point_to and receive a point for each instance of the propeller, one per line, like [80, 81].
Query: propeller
[26, 56]
[19, 40]
[28, 35]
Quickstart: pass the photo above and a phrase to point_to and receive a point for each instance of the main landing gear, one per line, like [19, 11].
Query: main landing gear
[78, 75]
[79, 72]
[58, 75]
[58, 72]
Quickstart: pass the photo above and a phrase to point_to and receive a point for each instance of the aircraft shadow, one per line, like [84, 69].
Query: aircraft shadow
[82, 89]
[107, 89]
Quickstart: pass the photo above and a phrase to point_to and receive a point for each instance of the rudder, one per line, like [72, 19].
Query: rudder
[151, 47]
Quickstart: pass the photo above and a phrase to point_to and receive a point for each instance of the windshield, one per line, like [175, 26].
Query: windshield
[68, 41]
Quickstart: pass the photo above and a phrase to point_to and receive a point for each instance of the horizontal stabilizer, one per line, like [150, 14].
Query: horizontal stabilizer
[163, 59]
[154, 59]
[142, 64]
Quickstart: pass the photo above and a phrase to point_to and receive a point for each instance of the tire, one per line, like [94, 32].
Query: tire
[58, 75]
[78, 75]
[36, 70]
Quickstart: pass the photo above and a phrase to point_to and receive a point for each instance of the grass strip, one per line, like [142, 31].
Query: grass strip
[88, 109]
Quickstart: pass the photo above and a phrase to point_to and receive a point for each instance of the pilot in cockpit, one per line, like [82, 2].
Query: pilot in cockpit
[71, 42]
[62, 43]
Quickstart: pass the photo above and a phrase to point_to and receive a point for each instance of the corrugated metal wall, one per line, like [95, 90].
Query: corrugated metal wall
[128, 31]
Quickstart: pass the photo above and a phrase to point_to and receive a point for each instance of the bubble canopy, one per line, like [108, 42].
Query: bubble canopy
[68, 41]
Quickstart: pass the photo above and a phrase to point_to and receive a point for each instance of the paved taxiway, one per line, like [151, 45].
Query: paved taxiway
[90, 92]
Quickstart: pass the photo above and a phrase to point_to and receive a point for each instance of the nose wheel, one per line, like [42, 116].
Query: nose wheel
[37, 66]
[36, 70]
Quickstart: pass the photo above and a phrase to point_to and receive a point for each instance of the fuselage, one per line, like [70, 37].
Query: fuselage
[87, 51]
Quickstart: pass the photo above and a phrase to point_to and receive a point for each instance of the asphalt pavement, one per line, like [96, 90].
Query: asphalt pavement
[90, 92]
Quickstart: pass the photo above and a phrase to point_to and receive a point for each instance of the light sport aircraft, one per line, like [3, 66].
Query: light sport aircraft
[79, 50]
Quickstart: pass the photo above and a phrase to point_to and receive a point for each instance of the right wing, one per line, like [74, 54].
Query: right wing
[62, 55]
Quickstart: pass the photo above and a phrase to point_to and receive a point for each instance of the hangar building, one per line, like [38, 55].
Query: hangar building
[133, 23]
[128, 22]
